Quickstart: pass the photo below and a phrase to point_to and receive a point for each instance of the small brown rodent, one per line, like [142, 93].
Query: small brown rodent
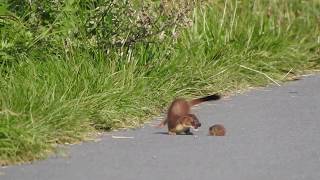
[217, 130]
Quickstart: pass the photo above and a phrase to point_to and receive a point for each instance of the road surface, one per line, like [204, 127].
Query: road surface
[273, 133]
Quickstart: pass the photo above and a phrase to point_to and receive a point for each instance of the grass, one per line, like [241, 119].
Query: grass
[49, 98]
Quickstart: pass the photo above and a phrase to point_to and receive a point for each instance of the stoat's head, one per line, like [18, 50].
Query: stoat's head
[190, 121]
[196, 123]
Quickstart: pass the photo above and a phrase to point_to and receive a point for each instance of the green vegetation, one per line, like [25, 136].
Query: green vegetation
[71, 68]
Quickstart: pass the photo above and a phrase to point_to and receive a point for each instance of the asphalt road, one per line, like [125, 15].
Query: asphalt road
[272, 134]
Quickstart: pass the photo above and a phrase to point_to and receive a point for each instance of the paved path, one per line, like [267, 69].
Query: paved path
[273, 134]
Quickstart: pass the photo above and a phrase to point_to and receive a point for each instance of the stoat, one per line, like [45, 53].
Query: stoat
[179, 117]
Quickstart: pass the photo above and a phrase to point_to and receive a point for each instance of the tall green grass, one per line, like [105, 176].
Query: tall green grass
[51, 95]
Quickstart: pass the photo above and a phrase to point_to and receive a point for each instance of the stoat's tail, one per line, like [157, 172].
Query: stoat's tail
[203, 99]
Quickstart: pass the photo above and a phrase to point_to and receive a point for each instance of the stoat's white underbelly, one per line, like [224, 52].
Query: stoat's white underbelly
[180, 128]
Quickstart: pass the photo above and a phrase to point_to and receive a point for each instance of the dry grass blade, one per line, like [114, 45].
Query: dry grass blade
[122, 137]
[261, 73]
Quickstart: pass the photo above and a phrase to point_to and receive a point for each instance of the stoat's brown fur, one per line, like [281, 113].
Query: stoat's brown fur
[183, 125]
[179, 113]
[217, 130]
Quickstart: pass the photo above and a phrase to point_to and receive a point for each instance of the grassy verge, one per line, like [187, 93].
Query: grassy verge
[51, 95]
